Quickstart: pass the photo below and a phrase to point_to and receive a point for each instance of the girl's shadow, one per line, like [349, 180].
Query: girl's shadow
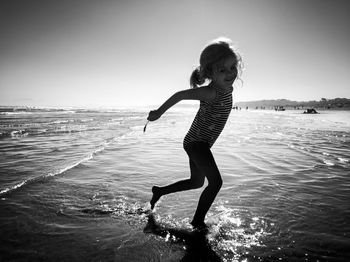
[196, 242]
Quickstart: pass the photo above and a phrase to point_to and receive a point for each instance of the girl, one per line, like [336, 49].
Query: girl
[219, 65]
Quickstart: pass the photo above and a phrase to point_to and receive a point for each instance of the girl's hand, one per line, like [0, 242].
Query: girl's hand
[154, 115]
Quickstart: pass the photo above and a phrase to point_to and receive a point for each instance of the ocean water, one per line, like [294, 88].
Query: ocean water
[75, 186]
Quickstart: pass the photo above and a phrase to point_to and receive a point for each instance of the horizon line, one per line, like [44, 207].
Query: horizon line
[181, 103]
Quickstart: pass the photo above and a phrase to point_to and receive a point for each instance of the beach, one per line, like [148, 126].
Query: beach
[75, 186]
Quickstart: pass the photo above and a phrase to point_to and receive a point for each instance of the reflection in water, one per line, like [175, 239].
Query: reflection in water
[196, 243]
[236, 233]
[233, 235]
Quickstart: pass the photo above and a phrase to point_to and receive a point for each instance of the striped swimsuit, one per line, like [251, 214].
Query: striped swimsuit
[210, 119]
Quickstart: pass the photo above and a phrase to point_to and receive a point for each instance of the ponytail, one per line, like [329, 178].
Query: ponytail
[196, 79]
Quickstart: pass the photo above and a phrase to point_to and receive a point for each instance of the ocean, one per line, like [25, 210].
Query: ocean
[75, 186]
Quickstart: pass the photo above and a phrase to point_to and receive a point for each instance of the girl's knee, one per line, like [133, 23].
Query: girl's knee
[219, 183]
[216, 184]
[197, 183]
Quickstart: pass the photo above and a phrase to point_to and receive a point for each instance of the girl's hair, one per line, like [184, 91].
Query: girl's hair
[216, 51]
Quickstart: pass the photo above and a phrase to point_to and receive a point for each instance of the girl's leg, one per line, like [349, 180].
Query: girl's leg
[205, 162]
[195, 181]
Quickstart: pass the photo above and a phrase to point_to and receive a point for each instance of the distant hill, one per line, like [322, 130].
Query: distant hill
[336, 103]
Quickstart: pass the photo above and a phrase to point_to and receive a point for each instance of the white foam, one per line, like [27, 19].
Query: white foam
[328, 163]
[59, 122]
[6, 190]
[18, 133]
[88, 157]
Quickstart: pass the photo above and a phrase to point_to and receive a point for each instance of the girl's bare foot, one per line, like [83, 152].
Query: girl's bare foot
[156, 196]
[199, 225]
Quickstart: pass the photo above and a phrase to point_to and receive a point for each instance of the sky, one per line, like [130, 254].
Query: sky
[134, 53]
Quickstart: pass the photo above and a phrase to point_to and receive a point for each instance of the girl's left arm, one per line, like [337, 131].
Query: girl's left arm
[202, 93]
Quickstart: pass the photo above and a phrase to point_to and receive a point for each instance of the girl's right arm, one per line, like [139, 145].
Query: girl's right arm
[203, 93]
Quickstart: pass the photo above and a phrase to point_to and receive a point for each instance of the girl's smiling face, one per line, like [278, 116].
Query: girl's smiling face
[224, 73]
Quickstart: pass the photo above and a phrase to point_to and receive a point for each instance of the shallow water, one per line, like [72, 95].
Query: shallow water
[74, 186]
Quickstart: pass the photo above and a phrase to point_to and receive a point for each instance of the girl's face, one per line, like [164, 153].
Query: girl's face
[224, 73]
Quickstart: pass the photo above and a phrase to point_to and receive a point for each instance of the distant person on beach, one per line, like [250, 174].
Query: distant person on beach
[211, 83]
